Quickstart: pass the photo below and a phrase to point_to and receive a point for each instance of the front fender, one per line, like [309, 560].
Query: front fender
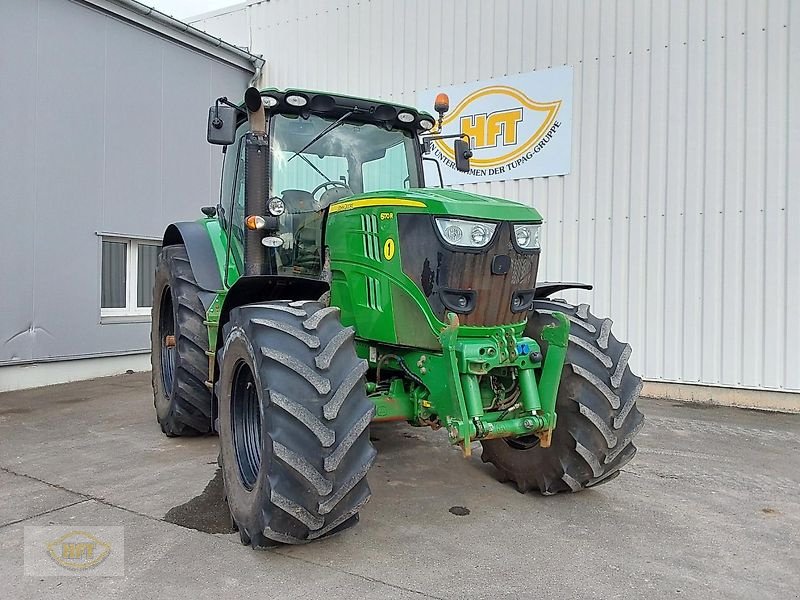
[263, 288]
[546, 289]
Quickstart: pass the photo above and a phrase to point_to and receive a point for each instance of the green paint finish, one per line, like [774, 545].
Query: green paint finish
[366, 261]
[219, 242]
[442, 201]
[557, 338]
[397, 403]
[391, 315]
[451, 392]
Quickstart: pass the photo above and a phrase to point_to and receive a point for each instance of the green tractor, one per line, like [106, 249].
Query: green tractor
[330, 289]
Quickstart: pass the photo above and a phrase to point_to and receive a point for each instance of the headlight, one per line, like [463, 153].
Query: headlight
[466, 234]
[528, 237]
[276, 207]
[480, 235]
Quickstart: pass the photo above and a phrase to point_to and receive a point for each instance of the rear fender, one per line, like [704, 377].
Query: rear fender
[202, 259]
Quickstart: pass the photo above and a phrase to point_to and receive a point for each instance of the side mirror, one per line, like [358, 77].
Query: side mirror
[463, 153]
[221, 125]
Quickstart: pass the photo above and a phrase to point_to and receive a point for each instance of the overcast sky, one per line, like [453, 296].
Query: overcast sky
[182, 9]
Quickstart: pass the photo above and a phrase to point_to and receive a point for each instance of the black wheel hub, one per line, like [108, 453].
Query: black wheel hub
[246, 424]
[166, 332]
[525, 442]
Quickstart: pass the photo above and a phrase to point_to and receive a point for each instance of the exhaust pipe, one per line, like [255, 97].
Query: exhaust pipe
[256, 184]
[255, 111]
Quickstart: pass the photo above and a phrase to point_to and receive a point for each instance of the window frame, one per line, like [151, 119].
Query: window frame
[131, 310]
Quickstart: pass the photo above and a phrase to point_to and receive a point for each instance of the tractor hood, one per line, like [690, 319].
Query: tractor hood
[439, 201]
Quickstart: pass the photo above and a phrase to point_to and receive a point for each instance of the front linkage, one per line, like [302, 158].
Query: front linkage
[446, 390]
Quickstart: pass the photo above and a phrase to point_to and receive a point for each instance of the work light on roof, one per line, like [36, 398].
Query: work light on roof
[269, 101]
[405, 117]
[296, 100]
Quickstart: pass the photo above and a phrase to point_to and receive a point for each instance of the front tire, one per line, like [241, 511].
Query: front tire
[596, 411]
[294, 423]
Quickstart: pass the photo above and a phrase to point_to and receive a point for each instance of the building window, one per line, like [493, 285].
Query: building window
[128, 272]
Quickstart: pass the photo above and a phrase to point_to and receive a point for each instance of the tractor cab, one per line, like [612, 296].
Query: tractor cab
[310, 150]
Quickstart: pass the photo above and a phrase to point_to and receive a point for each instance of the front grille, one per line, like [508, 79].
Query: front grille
[441, 272]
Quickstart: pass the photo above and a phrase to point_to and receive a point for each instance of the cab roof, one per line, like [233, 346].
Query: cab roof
[298, 101]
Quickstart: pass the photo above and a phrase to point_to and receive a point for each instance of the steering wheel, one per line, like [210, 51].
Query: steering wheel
[329, 184]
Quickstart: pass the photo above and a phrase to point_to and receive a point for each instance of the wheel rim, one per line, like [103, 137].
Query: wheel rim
[246, 424]
[166, 332]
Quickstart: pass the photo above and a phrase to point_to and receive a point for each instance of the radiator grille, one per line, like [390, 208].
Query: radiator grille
[373, 293]
[369, 225]
[435, 267]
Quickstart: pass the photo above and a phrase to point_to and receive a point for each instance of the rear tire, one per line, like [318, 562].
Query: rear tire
[294, 423]
[179, 341]
[596, 410]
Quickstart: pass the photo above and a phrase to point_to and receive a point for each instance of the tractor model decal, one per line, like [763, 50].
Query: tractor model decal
[367, 202]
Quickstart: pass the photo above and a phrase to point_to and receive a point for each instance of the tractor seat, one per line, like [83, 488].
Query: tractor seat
[332, 195]
[298, 201]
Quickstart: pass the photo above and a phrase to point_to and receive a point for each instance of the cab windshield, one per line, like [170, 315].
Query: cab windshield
[351, 158]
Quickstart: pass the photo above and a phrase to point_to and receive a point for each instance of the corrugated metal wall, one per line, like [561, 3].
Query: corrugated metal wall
[683, 205]
[104, 131]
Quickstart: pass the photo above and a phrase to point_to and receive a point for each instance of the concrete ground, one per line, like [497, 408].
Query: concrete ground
[709, 508]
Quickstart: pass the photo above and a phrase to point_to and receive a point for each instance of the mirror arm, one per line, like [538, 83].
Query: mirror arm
[226, 102]
[426, 141]
[216, 123]
[430, 138]
[438, 169]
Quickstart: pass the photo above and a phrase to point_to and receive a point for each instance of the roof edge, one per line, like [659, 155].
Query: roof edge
[225, 10]
[162, 24]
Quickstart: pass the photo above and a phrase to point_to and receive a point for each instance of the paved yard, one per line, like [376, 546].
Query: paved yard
[709, 508]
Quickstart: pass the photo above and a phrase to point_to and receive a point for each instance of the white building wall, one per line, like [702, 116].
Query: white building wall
[683, 204]
[105, 134]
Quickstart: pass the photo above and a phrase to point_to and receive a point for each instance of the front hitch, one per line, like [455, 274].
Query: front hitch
[557, 337]
[535, 412]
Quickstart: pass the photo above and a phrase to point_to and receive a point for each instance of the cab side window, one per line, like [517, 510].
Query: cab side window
[237, 206]
[229, 174]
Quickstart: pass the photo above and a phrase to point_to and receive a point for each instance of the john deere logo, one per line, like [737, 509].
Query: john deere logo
[506, 128]
[78, 550]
